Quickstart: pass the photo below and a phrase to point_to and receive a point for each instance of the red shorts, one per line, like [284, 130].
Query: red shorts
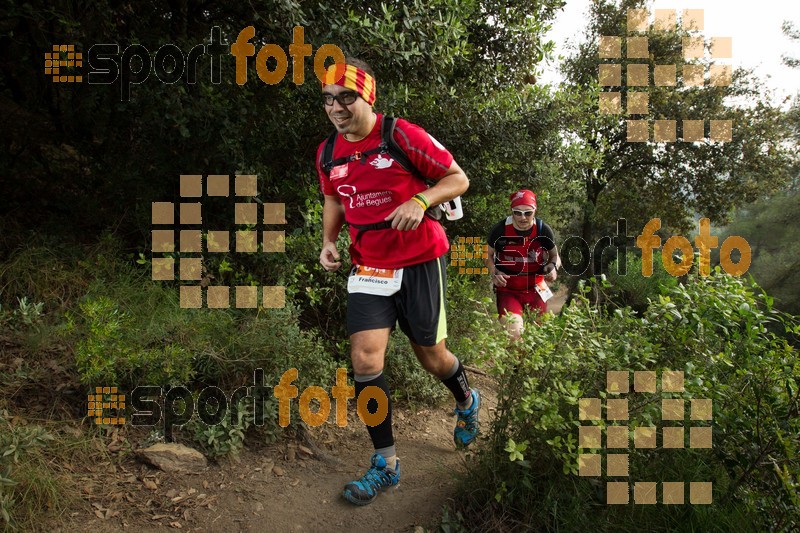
[515, 302]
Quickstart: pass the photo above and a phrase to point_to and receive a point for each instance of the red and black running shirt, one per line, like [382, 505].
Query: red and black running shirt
[520, 253]
[374, 186]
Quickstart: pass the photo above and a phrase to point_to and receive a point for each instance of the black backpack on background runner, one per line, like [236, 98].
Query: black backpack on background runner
[387, 146]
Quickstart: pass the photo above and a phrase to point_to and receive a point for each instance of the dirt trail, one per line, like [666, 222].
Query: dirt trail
[282, 488]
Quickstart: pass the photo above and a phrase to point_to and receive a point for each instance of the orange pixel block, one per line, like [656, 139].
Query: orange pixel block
[610, 47]
[274, 213]
[638, 131]
[191, 185]
[638, 75]
[638, 103]
[644, 381]
[246, 241]
[721, 130]
[644, 437]
[700, 492]
[672, 437]
[693, 20]
[589, 465]
[665, 131]
[638, 20]
[163, 213]
[103, 399]
[721, 75]
[246, 297]
[673, 492]
[666, 20]
[617, 409]
[610, 75]
[218, 241]
[693, 47]
[274, 297]
[589, 436]
[693, 75]
[274, 242]
[191, 297]
[700, 437]
[693, 130]
[617, 437]
[701, 409]
[246, 185]
[637, 48]
[721, 47]
[671, 409]
[218, 297]
[617, 382]
[617, 493]
[217, 185]
[589, 409]
[246, 214]
[191, 214]
[665, 75]
[672, 381]
[617, 464]
[644, 493]
[163, 269]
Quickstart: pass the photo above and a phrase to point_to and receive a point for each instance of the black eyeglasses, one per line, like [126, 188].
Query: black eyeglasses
[522, 213]
[344, 98]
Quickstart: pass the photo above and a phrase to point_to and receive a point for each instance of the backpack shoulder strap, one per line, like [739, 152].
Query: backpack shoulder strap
[394, 149]
[326, 162]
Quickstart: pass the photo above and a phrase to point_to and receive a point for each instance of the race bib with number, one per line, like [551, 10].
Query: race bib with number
[544, 291]
[378, 281]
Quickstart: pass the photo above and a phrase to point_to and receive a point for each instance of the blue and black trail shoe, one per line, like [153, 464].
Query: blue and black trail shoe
[377, 478]
[467, 422]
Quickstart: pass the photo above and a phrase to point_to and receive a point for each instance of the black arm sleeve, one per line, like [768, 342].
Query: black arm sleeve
[547, 238]
[495, 234]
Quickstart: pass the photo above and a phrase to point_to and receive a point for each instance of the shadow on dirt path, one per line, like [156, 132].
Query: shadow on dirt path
[288, 487]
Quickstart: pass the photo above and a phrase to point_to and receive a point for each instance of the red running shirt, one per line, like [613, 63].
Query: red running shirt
[374, 186]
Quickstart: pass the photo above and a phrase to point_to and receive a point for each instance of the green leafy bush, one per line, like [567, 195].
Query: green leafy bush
[634, 290]
[111, 352]
[714, 330]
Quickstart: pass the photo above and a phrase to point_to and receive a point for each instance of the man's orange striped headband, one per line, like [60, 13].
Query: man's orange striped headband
[351, 77]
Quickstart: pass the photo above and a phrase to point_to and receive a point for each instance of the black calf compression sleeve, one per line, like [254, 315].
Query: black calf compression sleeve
[457, 382]
[381, 434]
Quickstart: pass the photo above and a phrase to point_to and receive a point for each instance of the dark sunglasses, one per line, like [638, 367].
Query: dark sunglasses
[522, 213]
[344, 98]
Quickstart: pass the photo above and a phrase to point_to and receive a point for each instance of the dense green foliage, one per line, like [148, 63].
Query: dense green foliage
[774, 237]
[85, 162]
[713, 329]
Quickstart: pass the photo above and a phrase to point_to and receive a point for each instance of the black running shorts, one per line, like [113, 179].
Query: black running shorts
[418, 307]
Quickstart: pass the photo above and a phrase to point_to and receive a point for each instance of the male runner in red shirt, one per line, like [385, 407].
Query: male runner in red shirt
[397, 253]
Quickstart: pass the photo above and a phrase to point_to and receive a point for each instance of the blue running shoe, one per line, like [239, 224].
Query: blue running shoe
[467, 423]
[377, 478]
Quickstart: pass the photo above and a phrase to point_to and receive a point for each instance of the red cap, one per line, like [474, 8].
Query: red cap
[523, 197]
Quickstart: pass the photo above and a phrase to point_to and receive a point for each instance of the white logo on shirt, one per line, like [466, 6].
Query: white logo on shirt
[381, 162]
[347, 191]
